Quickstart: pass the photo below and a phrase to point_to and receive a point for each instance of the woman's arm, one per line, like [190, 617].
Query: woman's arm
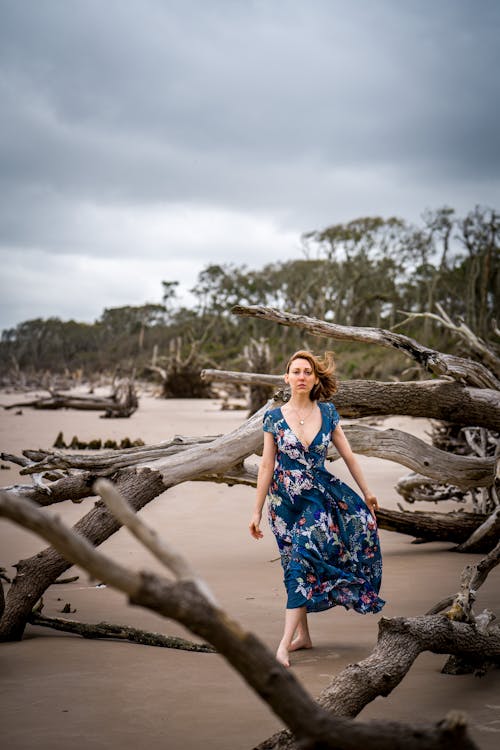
[264, 477]
[342, 445]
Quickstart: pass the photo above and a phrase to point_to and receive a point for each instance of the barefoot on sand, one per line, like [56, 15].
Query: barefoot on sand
[299, 643]
[282, 655]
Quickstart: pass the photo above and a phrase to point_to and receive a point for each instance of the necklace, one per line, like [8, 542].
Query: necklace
[302, 419]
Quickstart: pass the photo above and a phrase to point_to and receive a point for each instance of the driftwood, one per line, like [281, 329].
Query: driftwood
[434, 399]
[102, 630]
[477, 345]
[458, 368]
[189, 601]
[391, 444]
[121, 403]
[257, 355]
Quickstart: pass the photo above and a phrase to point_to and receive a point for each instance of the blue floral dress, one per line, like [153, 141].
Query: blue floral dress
[327, 537]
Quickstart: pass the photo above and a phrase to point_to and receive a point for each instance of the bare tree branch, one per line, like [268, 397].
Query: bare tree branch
[436, 362]
[117, 632]
[463, 331]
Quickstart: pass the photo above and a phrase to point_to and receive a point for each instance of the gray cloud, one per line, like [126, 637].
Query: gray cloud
[290, 115]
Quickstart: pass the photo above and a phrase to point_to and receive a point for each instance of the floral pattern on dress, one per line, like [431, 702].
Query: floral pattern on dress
[326, 535]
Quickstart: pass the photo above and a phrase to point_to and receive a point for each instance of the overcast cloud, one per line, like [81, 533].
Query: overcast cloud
[141, 140]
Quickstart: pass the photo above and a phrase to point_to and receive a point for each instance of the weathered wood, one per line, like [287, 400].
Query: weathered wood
[489, 527]
[393, 445]
[434, 527]
[258, 359]
[107, 462]
[434, 399]
[415, 454]
[400, 641]
[477, 345]
[180, 375]
[433, 361]
[184, 602]
[102, 630]
[227, 467]
[35, 574]
[122, 403]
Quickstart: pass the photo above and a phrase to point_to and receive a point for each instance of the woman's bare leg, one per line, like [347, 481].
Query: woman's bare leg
[302, 638]
[294, 621]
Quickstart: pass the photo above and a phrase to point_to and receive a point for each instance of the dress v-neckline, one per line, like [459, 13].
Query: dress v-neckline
[306, 449]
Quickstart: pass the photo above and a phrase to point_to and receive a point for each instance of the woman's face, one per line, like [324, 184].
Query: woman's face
[301, 376]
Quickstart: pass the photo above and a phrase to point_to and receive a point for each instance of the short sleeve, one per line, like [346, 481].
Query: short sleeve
[268, 423]
[334, 417]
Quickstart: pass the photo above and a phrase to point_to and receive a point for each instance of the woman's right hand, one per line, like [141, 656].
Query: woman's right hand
[254, 525]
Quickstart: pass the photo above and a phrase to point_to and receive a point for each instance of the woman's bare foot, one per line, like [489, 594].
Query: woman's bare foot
[282, 655]
[300, 642]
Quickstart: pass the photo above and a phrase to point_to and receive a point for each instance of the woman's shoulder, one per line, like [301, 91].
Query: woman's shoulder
[329, 408]
[271, 416]
[275, 412]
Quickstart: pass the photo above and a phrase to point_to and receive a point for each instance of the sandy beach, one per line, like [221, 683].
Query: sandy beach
[61, 691]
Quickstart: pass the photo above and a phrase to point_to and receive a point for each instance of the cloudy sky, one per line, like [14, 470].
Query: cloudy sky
[141, 140]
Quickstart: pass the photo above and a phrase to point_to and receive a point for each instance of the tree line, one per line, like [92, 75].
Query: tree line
[371, 271]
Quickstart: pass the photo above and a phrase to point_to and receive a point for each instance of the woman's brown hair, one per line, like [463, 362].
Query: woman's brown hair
[323, 368]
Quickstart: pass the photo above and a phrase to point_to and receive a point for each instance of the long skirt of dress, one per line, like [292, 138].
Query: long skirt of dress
[326, 535]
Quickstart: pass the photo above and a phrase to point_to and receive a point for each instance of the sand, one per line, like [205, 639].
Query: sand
[60, 691]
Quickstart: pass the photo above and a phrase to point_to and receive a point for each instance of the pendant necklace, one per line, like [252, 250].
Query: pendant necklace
[301, 421]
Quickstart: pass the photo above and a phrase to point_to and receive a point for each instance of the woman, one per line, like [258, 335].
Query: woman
[327, 535]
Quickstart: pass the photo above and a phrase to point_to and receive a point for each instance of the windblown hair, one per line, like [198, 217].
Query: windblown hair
[323, 368]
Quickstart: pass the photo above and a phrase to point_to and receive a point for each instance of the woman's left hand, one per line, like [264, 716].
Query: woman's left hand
[372, 503]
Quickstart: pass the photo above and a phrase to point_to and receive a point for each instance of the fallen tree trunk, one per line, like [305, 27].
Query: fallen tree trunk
[434, 399]
[122, 403]
[439, 527]
[392, 445]
[415, 454]
[433, 361]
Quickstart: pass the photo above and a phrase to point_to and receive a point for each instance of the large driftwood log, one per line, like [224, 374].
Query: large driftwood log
[122, 403]
[458, 368]
[439, 527]
[187, 601]
[393, 445]
[435, 399]
[415, 454]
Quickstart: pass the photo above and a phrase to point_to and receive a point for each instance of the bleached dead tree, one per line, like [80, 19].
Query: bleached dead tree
[122, 402]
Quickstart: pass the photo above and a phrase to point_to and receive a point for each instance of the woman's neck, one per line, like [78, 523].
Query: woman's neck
[300, 401]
